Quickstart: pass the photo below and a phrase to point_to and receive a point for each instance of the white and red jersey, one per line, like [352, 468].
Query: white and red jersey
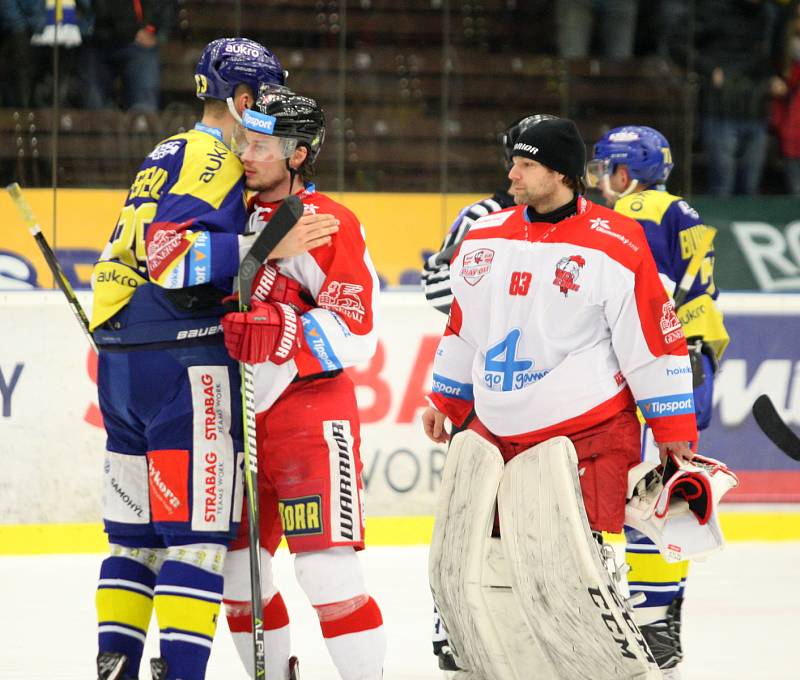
[340, 331]
[557, 327]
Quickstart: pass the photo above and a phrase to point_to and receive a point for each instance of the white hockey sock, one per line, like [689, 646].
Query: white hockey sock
[359, 656]
[238, 608]
[277, 644]
[350, 619]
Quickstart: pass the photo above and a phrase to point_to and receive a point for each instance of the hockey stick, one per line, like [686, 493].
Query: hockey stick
[775, 428]
[282, 221]
[60, 277]
[693, 268]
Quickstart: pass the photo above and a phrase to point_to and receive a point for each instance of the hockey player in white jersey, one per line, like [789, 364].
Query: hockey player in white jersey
[436, 286]
[558, 328]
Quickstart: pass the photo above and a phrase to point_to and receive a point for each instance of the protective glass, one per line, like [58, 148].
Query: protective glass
[596, 169]
[257, 147]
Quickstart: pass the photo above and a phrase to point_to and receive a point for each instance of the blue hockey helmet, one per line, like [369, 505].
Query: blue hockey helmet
[643, 150]
[509, 137]
[228, 62]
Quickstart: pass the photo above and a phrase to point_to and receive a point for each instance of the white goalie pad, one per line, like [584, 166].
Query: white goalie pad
[676, 507]
[468, 574]
[566, 593]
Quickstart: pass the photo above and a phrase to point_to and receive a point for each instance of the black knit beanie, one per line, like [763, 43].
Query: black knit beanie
[554, 143]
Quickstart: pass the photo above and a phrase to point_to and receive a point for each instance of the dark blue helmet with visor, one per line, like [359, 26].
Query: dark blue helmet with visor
[228, 62]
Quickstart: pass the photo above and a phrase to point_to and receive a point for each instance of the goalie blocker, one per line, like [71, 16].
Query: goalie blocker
[539, 599]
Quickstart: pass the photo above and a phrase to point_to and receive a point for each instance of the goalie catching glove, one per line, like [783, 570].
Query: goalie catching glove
[675, 505]
[271, 331]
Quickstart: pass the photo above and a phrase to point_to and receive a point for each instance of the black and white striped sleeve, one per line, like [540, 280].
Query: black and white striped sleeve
[436, 269]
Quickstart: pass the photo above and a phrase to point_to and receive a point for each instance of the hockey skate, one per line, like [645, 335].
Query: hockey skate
[111, 666]
[294, 668]
[158, 669]
[660, 638]
[447, 662]
[674, 619]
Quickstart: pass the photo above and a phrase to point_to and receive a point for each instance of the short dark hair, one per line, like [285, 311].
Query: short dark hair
[307, 168]
[218, 107]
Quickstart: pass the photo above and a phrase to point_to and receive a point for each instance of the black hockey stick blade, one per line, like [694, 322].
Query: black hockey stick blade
[772, 425]
[285, 217]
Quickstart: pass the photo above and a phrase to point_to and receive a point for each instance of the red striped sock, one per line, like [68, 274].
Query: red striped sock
[366, 617]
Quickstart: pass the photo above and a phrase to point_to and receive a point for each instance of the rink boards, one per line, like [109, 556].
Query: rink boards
[51, 436]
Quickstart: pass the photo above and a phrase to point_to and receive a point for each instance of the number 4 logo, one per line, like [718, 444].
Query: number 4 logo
[520, 283]
[502, 358]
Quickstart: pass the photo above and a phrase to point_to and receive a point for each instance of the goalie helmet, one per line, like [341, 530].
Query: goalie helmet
[228, 62]
[643, 150]
[296, 117]
[513, 131]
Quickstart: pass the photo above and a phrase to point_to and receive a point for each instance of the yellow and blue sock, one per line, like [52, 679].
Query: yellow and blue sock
[660, 581]
[124, 601]
[187, 600]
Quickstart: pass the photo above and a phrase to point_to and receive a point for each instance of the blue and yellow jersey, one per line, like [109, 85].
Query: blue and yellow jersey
[674, 230]
[179, 228]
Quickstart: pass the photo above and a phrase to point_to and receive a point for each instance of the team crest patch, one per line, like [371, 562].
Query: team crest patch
[342, 297]
[568, 269]
[670, 324]
[477, 265]
[164, 247]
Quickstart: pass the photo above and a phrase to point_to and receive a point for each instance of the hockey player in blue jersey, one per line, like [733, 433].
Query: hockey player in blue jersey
[631, 166]
[168, 391]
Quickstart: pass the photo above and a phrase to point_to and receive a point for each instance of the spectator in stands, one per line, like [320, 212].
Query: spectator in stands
[734, 63]
[614, 19]
[124, 40]
[786, 107]
[19, 19]
[66, 27]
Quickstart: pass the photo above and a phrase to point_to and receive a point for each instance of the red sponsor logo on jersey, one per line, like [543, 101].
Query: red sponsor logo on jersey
[168, 473]
[163, 248]
[343, 297]
[568, 269]
[211, 406]
[476, 265]
[670, 324]
[210, 483]
[619, 378]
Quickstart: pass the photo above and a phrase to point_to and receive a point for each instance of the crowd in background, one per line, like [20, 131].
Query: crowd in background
[745, 54]
[108, 52]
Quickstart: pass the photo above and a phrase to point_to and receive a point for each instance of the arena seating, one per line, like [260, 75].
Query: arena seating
[397, 104]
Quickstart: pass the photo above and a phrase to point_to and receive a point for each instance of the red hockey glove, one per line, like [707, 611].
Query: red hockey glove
[271, 285]
[271, 331]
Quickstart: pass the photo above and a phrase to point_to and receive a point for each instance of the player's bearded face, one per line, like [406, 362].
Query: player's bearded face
[264, 159]
[264, 176]
[531, 181]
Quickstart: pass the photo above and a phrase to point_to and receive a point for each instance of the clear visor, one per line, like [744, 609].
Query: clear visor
[596, 169]
[260, 148]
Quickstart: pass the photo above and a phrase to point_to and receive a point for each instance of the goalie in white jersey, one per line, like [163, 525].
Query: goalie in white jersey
[559, 327]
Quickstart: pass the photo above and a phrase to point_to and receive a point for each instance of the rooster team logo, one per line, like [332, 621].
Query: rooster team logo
[477, 265]
[568, 269]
